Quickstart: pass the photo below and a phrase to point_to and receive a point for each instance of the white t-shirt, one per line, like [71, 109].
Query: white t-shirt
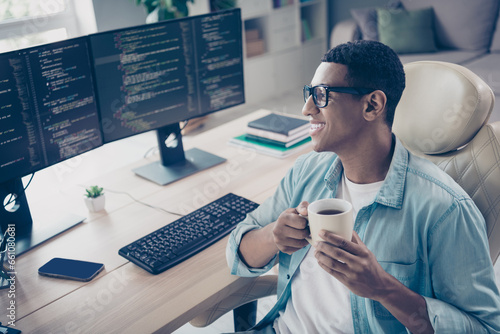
[319, 302]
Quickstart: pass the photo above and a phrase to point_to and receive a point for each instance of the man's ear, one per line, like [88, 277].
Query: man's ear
[375, 105]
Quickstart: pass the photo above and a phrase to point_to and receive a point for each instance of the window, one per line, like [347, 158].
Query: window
[25, 23]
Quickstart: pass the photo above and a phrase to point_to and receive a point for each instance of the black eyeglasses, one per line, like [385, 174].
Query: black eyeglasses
[320, 93]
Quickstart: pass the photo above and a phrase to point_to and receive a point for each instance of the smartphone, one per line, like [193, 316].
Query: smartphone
[71, 269]
[8, 330]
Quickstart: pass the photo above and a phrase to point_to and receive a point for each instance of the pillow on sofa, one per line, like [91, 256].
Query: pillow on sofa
[461, 24]
[366, 19]
[407, 31]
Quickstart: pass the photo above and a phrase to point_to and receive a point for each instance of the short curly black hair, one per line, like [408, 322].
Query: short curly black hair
[371, 64]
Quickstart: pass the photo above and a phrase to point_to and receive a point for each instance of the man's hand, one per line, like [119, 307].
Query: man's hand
[353, 264]
[290, 230]
[259, 246]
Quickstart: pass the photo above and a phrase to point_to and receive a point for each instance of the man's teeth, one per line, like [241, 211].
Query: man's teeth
[317, 126]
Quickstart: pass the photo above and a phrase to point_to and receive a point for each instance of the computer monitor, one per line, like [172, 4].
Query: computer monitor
[63, 99]
[48, 113]
[152, 77]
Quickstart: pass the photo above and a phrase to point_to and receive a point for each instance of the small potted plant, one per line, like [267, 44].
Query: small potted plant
[94, 198]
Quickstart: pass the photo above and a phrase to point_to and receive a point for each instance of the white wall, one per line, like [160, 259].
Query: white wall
[115, 14]
[85, 17]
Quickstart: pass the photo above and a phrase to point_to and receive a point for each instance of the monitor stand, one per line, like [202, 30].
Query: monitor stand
[175, 164]
[17, 218]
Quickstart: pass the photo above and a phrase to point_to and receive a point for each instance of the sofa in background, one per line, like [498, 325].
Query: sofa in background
[457, 31]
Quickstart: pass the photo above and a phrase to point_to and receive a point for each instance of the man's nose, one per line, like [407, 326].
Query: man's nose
[309, 107]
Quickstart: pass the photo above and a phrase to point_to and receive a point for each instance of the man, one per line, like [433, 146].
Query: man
[418, 259]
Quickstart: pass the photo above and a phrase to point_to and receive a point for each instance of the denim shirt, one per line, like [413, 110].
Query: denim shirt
[423, 229]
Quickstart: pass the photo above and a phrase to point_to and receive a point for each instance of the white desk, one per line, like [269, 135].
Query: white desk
[124, 298]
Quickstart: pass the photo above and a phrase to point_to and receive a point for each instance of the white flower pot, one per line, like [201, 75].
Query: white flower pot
[95, 204]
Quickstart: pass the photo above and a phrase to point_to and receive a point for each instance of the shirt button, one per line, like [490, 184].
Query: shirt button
[287, 276]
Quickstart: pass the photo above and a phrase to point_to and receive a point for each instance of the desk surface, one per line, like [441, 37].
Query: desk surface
[124, 298]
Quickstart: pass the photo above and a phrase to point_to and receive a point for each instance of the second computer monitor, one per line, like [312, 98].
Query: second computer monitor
[155, 75]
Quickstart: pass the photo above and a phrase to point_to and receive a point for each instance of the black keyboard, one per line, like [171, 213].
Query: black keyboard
[183, 238]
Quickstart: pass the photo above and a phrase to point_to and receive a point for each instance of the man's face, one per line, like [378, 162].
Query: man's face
[336, 127]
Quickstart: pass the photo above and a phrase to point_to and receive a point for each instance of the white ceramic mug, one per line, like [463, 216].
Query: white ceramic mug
[340, 223]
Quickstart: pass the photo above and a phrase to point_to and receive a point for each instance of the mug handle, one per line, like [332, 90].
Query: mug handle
[307, 238]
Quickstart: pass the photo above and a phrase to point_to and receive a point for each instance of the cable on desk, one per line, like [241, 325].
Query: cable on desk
[12, 196]
[143, 203]
[150, 151]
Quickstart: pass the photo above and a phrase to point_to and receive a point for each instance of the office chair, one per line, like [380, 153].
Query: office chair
[442, 116]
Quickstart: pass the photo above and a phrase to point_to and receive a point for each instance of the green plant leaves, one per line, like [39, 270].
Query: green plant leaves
[94, 191]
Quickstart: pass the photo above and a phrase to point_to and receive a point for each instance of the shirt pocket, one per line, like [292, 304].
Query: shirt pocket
[411, 275]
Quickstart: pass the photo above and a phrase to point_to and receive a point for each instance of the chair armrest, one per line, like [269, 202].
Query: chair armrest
[260, 287]
[344, 31]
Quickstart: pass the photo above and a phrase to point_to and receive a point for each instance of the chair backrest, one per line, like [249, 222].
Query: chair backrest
[443, 117]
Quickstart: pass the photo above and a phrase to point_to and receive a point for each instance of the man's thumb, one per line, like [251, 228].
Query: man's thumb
[302, 208]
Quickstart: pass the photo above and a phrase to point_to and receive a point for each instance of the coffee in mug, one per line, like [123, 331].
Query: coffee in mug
[331, 214]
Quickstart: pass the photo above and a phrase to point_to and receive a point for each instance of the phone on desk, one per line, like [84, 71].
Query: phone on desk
[8, 330]
[71, 269]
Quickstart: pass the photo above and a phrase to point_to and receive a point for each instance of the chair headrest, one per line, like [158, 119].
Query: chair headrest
[442, 107]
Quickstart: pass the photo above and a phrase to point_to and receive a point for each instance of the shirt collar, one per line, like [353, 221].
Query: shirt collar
[333, 175]
[392, 190]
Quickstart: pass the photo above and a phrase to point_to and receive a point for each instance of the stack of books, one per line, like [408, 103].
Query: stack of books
[275, 134]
